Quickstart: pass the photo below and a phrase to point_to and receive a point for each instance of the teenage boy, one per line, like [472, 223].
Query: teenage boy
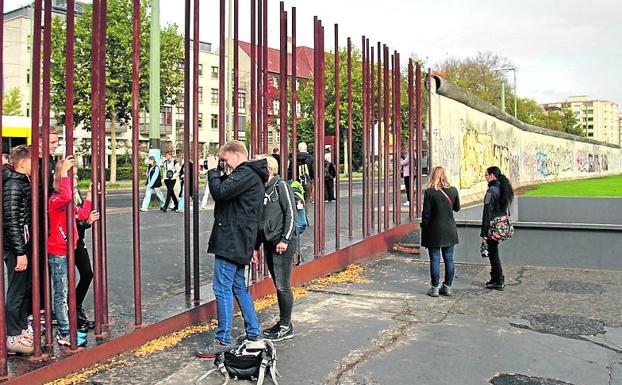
[17, 249]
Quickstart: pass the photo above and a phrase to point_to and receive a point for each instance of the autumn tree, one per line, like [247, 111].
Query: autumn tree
[118, 67]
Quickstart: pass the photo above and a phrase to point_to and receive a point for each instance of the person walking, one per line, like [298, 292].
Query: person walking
[438, 229]
[405, 162]
[154, 182]
[238, 197]
[497, 200]
[305, 171]
[170, 178]
[329, 179]
[277, 233]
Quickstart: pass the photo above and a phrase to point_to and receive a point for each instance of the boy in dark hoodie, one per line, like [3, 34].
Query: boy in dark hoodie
[17, 248]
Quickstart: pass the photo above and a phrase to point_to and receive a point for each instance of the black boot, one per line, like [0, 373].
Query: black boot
[83, 322]
[499, 285]
[491, 281]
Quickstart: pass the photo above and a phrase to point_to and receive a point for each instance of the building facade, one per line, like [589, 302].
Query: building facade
[599, 119]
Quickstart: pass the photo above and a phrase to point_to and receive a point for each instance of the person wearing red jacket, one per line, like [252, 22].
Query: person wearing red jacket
[60, 199]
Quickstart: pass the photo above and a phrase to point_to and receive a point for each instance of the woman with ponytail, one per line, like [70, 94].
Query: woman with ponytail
[497, 200]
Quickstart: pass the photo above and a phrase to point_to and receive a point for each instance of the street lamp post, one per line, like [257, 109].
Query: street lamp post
[504, 70]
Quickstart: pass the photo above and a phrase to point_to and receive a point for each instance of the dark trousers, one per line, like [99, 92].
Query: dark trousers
[170, 193]
[18, 296]
[407, 184]
[280, 266]
[83, 264]
[496, 271]
[329, 189]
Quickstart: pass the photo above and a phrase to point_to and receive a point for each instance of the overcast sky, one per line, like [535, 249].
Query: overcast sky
[560, 48]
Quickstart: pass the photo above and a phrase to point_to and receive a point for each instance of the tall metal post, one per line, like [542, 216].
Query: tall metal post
[387, 99]
[154, 81]
[236, 76]
[294, 87]
[364, 207]
[138, 318]
[349, 65]
[3, 351]
[221, 77]
[411, 139]
[337, 143]
[229, 70]
[195, 155]
[253, 139]
[283, 88]
[187, 72]
[419, 138]
[379, 134]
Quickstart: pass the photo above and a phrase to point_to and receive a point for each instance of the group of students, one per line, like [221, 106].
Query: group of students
[171, 171]
[439, 233]
[18, 247]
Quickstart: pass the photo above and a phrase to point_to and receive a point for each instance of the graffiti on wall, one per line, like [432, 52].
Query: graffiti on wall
[586, 162]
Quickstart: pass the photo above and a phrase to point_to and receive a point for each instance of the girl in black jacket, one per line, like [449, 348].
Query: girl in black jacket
[438, 229]
[277, 232]
[498, 198]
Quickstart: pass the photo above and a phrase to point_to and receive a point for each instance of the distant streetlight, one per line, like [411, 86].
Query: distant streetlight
[504, 70]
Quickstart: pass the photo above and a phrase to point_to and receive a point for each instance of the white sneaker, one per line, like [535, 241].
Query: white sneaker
[143, 210]
[406, 203]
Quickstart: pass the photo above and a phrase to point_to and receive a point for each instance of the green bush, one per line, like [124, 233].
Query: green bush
[123, 173]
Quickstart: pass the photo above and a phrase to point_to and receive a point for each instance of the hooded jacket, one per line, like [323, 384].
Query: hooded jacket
[237, 212]
[302, 158]
[278, 221]
[17, 211]
[492, 206]
[57, 207]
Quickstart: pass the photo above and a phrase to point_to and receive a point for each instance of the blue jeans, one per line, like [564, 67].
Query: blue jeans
[58, 271]
[147, 199]
[435, 264]
[228, 282]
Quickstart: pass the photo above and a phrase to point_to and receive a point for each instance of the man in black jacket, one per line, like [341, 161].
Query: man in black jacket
[17, 248]
[239, 199]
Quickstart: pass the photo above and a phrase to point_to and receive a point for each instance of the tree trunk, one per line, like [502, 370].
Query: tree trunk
[113, 148]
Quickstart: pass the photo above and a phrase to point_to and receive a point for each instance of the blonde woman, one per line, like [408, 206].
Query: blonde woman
[438, 229]
[277, 232]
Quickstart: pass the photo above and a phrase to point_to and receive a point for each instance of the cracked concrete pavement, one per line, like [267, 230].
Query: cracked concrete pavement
[550, 326]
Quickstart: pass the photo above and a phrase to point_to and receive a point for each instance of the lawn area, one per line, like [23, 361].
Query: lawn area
[610, 186]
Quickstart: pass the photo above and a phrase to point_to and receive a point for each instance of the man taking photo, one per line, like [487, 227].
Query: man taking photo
[239, 198]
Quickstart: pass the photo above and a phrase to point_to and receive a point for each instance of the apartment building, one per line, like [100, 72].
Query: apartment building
[599, 119]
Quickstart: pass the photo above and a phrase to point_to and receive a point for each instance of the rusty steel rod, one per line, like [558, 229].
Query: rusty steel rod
[337, 150]
[195, 152]
[36, 107]
[3, 334]
[95, 166]
[364, 136]
[411, 140]
[259, 71]
[316, 123]
[253, 138]
[350, 123]
[69, 127]
[398, 138]
[236, 69]
[266, 84]
[379, 133]
[322, 138]
[45, 164]
[372, 136]
[186, 153]
[294, 87]
[387, 106]
[419, 139]
[138, 317]
[396, 150]
[283, 87]
[102, 174]
[221, 85]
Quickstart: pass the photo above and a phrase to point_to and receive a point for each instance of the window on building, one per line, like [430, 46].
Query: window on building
[200, 69]
[242, 100]
[275, 107]
[200, 120]
[200, 94]
[275, 81]
[214, 72]
[270, 137]
[166, 116]
[179, 118]
[214, 96]
[214, 120]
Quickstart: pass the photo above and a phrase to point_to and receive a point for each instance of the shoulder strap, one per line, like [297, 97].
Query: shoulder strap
[451, 203]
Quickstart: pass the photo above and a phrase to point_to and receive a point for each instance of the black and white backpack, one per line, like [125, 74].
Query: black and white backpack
[253, 360]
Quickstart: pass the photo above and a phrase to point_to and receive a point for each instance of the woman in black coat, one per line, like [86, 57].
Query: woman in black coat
[438, 229]
[498, 198]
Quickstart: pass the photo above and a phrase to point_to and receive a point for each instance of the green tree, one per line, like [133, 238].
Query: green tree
[12, 102]
[570, 124]
[118, 67]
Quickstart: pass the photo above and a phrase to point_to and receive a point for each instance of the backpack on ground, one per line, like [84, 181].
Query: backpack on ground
[253, 360]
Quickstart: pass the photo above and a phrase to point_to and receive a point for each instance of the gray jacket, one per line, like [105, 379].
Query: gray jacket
[278, 221]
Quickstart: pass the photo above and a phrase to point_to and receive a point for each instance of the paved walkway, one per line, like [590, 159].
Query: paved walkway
[550, 326]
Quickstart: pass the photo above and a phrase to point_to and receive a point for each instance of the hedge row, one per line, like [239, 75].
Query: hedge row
[123, 173]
